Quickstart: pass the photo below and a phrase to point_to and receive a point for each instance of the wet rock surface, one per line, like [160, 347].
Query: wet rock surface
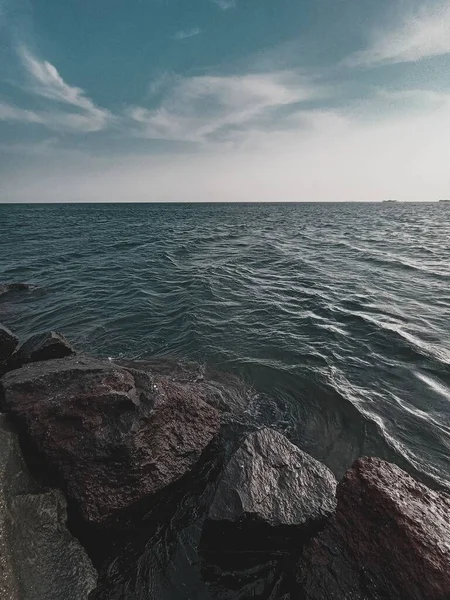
[46, 346]
[389, 539]
[39, 559]
[8, 342]
[271, 493]
[158, 557]
[111, 442]
[179, 490]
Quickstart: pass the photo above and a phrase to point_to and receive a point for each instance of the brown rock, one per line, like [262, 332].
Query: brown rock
[112, 442]
[389, 539]
[46, 346]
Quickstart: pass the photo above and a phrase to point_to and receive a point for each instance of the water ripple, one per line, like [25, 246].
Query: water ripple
[337, 314]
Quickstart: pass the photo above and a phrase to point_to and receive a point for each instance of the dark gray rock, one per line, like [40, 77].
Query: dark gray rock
[111, 441]
[272, 492]
[273, 480]
[39, 559]
[46, 346]
[8, 343]
[388, 540]
[158, 556]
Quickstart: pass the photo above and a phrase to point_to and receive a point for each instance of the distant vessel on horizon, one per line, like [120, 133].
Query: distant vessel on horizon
[390, 201]
[445, 200]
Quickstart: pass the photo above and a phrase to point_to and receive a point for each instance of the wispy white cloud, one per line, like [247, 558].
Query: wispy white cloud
[46, 148]
[69, 108]
[161, 83]
[9, 112]
[393, 143]
[225, 4]
[47, 82]
[186, 33]
[55, 120]
[328, 156]
[198, 108]
[415, 97]
[418, 34]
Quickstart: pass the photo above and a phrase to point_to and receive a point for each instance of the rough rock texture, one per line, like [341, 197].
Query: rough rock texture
[389, 539]
[271, 482]
[8, 343]
[157, 557]
[46, 346]
[39, 559]
[113, 443]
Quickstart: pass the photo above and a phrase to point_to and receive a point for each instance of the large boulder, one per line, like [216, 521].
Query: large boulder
[8, 343]
[113, 437]
[270, 493]
[45, 346]
[389, 539]
[38, 556]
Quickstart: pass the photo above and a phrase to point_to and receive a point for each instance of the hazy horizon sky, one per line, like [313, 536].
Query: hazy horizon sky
[224, 100]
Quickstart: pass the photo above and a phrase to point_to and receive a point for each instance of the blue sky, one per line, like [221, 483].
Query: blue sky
[227, 100]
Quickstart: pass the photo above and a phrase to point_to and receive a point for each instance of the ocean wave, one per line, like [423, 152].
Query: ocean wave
[336, 314]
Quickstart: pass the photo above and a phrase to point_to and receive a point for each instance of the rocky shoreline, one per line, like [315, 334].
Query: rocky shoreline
[118, 481]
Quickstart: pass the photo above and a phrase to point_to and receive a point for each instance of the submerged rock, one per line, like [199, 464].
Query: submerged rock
[39, 559]
[112, 442]
[15, 287]
[270, 494]
[389, 539]
[46, 346]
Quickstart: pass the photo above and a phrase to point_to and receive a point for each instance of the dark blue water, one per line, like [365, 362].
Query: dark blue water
[339, 313]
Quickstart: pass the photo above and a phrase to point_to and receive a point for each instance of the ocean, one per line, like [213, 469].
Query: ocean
[337, 314]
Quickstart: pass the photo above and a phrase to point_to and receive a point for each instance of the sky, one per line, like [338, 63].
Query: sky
[224, 100]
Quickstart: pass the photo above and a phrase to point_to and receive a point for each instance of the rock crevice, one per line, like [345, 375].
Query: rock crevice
[39, 557]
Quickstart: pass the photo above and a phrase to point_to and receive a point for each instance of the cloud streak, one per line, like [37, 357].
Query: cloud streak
[8, 112]
[225, 4]
[336, 157]
[51, 119]
[199, 109]
[420, 34]
[69, 110]
[185, 34]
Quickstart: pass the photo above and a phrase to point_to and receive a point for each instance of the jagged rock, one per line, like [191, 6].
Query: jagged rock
[8, 343]
[111, 442]
[271, 493]
[159, 555]
[46, 346]
[39, 559]
[389, 540]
